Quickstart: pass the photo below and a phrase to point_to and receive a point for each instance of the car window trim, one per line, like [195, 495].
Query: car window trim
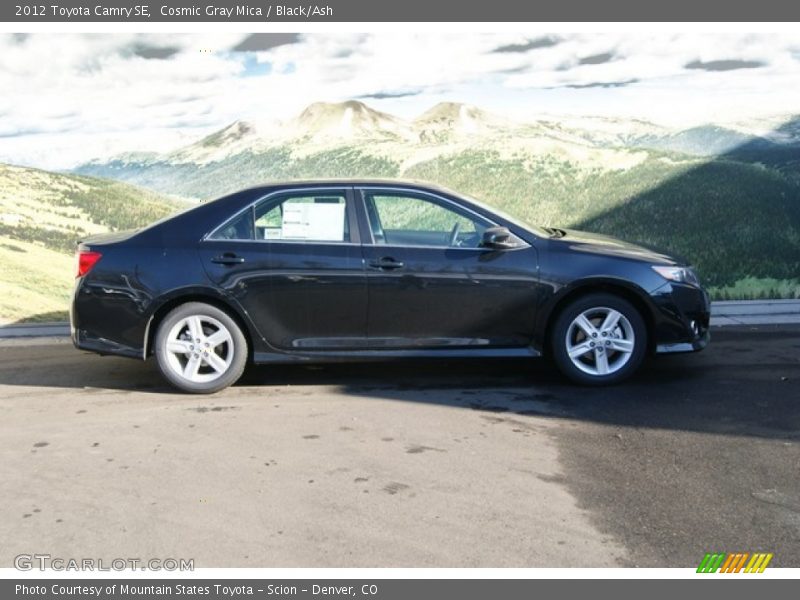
[350, 201]
[361, 191]
[305, 242]
[522, 246]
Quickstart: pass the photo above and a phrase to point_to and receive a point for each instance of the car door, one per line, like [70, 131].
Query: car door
[430, 283]
[293, 262]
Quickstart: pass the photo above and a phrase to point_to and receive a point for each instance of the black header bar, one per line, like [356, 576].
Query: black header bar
[298, 11]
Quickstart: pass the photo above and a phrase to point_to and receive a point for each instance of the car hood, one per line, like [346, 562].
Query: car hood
[596, 243]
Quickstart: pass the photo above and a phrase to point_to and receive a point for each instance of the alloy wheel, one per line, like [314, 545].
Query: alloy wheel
[199, 348]
[600, 341]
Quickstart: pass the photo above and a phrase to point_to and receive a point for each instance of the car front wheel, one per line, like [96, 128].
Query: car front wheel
[200, 349]
[599, 339]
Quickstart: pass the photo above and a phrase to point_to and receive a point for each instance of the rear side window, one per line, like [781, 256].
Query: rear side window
[302, 217]
[311, 218]
[238, 228]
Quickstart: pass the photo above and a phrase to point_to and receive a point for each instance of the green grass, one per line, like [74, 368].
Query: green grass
[42, 215]
[755, 288]
[36, 282]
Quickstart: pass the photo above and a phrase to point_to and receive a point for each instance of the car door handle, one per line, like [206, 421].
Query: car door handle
[386, 264]
[229, 258]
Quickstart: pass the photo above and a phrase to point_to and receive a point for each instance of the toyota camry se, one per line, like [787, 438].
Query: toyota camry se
[357, 270]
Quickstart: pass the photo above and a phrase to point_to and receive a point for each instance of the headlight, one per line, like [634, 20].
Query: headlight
[677, 274]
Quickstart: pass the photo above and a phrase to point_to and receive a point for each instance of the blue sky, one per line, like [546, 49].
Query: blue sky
[68, 97]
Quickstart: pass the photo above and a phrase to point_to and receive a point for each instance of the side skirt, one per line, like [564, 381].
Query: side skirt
[379, 355]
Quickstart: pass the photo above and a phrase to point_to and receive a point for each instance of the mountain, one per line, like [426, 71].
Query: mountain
[597, 132]
[348, 138]
[346, 120]
[236, 137]
[233, 134]
[448, 119]
[728, 182]
[42, 215]
[781, 129]
[704, 140]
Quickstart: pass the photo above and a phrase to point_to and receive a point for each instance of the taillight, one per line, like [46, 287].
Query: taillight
[86, 260]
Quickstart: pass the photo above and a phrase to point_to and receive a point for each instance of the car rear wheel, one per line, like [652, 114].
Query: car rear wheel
[599, 339]
[200, 349]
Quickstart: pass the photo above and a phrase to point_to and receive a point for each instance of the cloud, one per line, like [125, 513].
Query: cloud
[534, 44]
[258, 42]
[725, 65]
[601, 84]
[385, 95]
[658, 60]
[513, 70]
[597, 59]
[154, 52]
[19, 134]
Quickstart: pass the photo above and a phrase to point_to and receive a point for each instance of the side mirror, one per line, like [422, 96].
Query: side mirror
[497, 238]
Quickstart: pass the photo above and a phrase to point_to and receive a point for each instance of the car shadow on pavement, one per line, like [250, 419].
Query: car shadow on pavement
[673, 393]
[745, 383]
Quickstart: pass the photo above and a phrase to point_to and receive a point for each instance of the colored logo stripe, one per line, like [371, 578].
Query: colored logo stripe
[734, 563]
[758, 563]
[711, 563]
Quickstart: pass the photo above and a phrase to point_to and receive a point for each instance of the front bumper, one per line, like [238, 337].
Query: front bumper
[695, 345]
[682, 322]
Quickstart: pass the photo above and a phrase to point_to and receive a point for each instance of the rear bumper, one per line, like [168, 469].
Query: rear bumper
[84, 338]
[83, 341]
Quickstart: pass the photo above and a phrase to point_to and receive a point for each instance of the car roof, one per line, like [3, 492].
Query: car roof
[351, 181]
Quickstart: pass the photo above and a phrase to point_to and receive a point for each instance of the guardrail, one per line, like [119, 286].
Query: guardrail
[755, 312]
[739, 312]
[26, 330]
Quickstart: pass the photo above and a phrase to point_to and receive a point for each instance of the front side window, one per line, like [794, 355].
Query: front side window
[303, 217]
[412, 220]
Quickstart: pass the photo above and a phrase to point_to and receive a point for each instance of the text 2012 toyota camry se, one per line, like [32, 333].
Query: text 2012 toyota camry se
[336, 270]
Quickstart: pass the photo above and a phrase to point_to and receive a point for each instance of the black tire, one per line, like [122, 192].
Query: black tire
[563, 326]
[237, 346]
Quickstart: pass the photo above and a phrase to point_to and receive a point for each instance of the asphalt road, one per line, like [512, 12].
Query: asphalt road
[405, 464]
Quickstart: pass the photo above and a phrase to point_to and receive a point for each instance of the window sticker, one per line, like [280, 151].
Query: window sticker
[306, 221]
